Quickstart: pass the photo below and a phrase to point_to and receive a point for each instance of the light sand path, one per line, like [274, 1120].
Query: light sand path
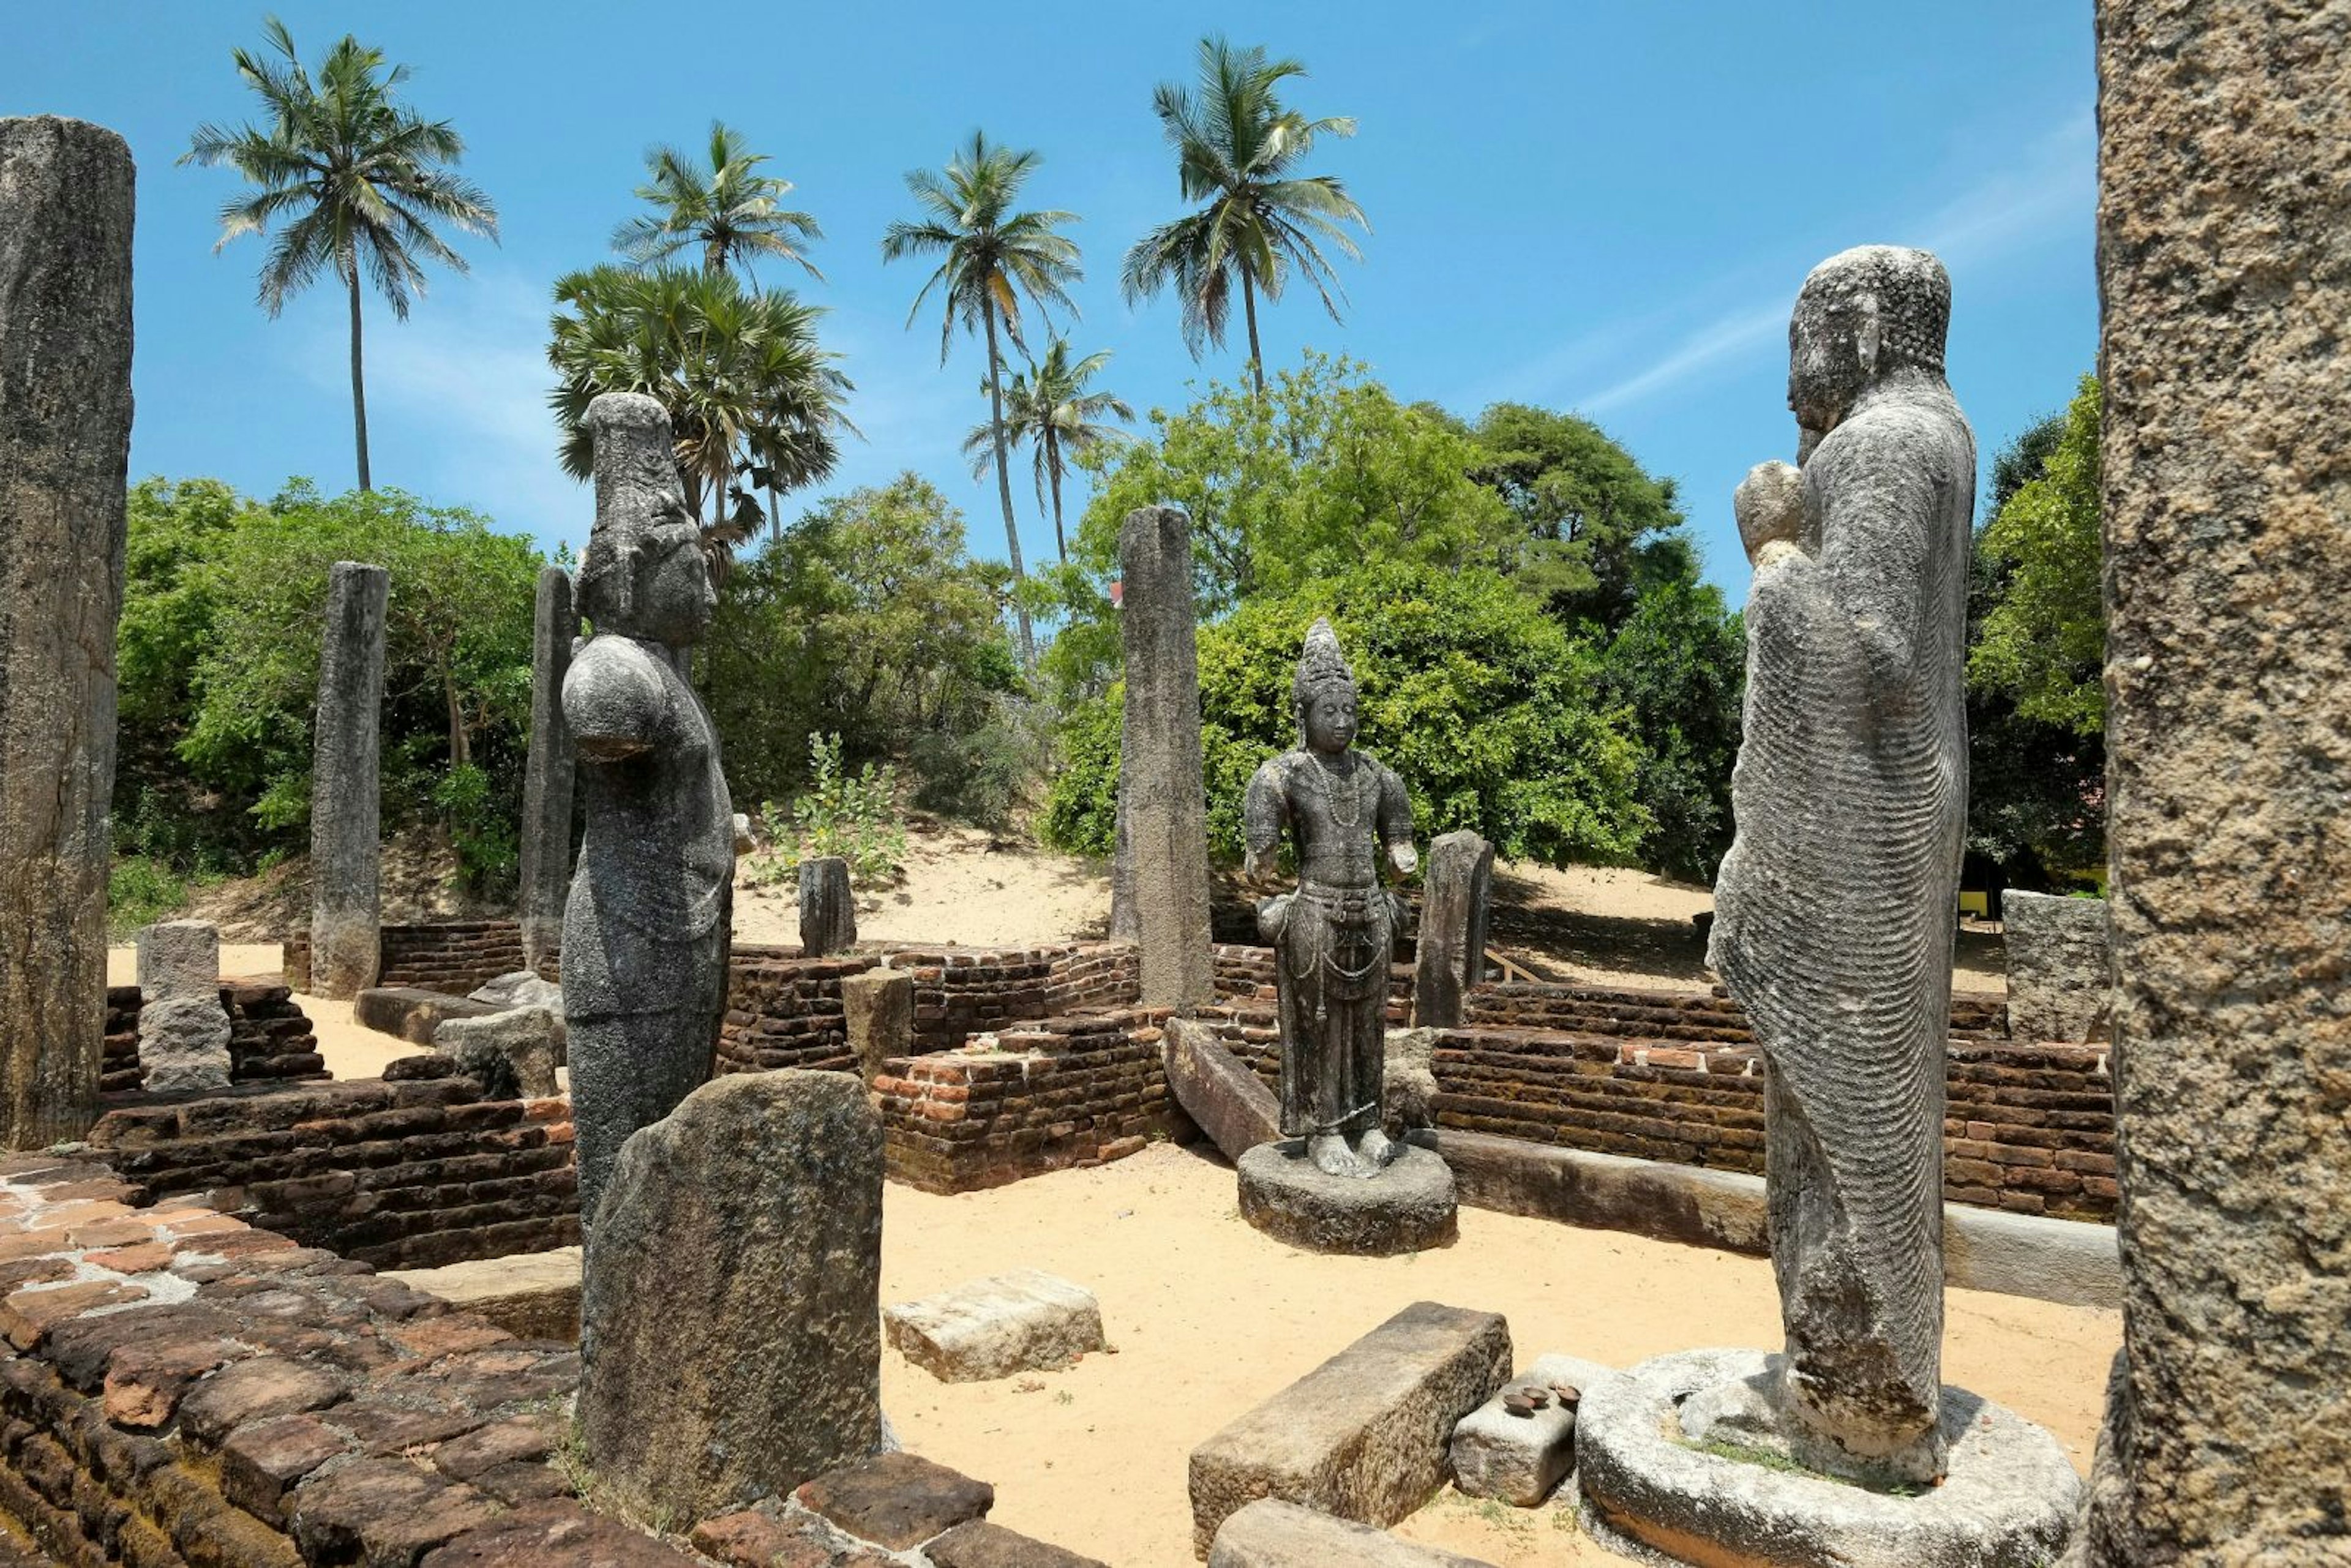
[1210, 1318]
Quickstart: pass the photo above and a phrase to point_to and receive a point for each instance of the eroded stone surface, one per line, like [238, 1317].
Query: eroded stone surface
[183, 1030]
[346, 789]
[512, 1053]
[878, 1016]
[1409, 1206]
[828, 907]
[897, 1501]
[1217, 1089]
[1162, 870]
[1365, 1434]
[1517, 1459]
[546, 880]
[984, 1545]
[1451, 952]
[1273, 1533]
[2060, 976]
[1023, 1321]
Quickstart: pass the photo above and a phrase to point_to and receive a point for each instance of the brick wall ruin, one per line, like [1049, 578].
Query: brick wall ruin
[452, 956]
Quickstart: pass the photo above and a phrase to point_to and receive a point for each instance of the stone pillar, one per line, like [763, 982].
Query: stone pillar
[346, 792]
[1163, 802]
[2224, 153]
[828, 907]
[877, 1011]
[1452, 949]
[183, 1028]
[547, 774]
[2060, 975]
[731, 1304]
[65, 451]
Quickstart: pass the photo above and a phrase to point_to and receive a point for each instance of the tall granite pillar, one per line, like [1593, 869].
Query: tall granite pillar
[346, 793]
[546, 773]
[2224, 256]
[1452, 948]
[828, 907]
[1163, 801]
[65, 451]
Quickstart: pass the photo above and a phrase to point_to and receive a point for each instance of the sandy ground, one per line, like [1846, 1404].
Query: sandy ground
[1210, 1318]
[961, 887]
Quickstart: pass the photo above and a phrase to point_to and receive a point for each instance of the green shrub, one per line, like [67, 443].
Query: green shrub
[851, 815]
[139, 890]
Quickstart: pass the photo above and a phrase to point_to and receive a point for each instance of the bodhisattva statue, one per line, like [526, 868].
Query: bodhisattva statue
[1834, 909]
[645, 929]
[1333, 937]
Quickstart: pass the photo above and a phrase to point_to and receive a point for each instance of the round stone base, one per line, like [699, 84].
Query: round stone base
[1407, 1207]
[2008, 1499]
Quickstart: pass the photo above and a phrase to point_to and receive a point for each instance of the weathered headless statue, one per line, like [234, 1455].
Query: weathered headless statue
[1834, 909]
[1333, 937]
[646, 930]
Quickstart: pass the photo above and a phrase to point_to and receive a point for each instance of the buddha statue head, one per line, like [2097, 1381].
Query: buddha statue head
[1863, 317]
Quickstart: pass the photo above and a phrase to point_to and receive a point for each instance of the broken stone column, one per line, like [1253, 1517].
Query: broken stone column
[2059, 975]
[183, 1028]
[346, 791]
[65, 450]
[1452, 948]
[2224, 151]
[1163, 802]
[730, 1309]
[828, 907]
[547, 774]
[877, 1012]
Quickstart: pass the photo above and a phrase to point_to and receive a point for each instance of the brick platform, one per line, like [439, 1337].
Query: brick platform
[270, 1037]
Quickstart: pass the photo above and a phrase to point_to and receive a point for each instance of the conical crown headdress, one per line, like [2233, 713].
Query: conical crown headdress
[1321, 667]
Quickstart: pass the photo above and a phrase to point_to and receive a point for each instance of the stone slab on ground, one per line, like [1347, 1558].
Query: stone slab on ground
[897, 1499]
[2008, 1499]
[980, 1544]
[1517, 1459]
[1217, 1089]
[409, 1013]
[1407, 1207]
[1365, 1434]
[531, 1295]
[1271, 1534]
[514, 1053]
[1024, 1321]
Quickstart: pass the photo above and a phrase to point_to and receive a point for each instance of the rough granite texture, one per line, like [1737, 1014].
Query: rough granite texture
[1217, 1091]
[2059, 971]
[1451, 955]
[1363, 1435]
[1163, 801]
[1833, 913]
[1517, 1459]
[828, 907]
[647, 926]
[65, 450]
[1409, 1206]
[877, 1014]
[2225, 197]
[346, 784]
[548, 772]
[2007, 1502]
[1023, 1321]
[513, 1053]
[730, 1308]
[183, 1031]
[1271, 1534]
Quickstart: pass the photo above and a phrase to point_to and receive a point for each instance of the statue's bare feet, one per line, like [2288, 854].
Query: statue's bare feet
[1376, 1149]
[1332, 1155]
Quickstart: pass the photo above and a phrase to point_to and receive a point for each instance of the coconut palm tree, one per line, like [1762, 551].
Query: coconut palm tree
[753, 400]
[1237, 150]
[1051, 409]
[357, 176]
[730, 209]
[989, 256]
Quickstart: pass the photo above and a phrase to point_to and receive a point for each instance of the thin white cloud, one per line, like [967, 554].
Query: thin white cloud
[1720, 340]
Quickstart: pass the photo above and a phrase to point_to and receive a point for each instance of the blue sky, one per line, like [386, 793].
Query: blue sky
[1606, 207]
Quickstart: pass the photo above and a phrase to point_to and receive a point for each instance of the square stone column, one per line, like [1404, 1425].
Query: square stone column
[346, 784]
[1451, 953]
[548, 773]
[1163, 802]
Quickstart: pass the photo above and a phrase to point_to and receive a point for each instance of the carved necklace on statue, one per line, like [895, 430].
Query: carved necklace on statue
[1353, 817]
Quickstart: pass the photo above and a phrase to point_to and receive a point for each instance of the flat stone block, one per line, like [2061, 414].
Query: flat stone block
[531, 1295]
[897, 1500]
[1024, 1321]
[1407, 1207]
[1365, 1434]
[1270, 1533]
[1517, 1459]
[980, 1544]
[406, 1012]
[878, 1016]
[1217, 1089]
[2009, 1498]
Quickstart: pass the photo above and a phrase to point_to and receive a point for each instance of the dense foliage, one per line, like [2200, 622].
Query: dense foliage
[224, 612]
[1678, 667]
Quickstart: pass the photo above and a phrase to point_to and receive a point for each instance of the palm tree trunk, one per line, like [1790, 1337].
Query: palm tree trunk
[1053, 472]
[1257, 359]
[359, 381]
[1004, 492]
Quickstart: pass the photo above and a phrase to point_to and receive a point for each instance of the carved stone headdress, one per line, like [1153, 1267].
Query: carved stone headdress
[638, 492]
[1911, 293]
[1322, 667]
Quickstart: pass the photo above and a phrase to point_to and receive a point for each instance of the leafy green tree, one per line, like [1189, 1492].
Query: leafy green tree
[989, 256]
[2044, 641]
[868, 619]
[1237, 152]
[1485, 707]
[1597, 530]
[356, 176]
[754, 399]
[1051, 409]
[1678, 667]
[721, 203]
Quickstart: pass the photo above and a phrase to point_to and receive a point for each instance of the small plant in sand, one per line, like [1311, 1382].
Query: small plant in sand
[851, 815]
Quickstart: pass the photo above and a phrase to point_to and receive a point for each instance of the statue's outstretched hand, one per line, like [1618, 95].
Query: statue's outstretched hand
[1405, 858]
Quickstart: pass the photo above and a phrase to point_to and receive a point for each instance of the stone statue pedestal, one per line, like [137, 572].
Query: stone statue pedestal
[1409, 1206]
[2008, 1499]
